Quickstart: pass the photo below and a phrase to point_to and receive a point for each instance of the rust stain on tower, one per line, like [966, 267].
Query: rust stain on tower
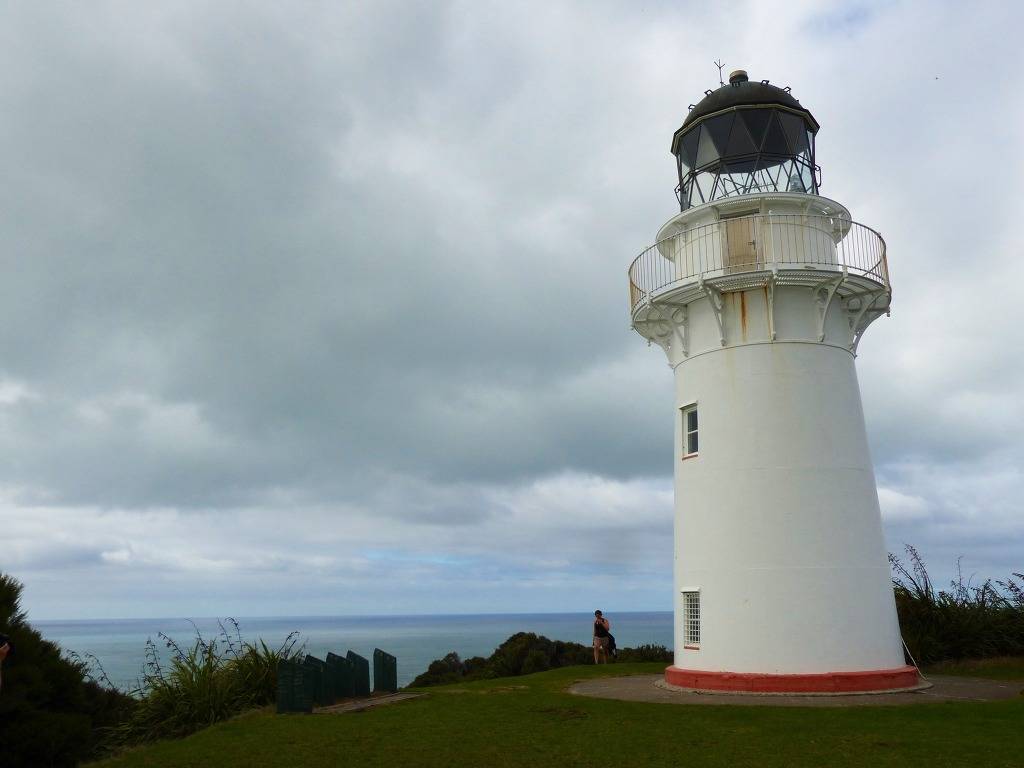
[743, 314]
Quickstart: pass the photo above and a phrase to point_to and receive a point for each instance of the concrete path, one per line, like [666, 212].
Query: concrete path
[652, 688]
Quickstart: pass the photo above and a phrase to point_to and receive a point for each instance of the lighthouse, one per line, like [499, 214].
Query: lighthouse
[759, 291]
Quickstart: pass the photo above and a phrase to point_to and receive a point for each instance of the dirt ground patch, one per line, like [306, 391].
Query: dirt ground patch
[359, 705]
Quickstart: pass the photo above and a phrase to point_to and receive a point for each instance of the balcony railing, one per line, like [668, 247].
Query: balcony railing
[762, 242]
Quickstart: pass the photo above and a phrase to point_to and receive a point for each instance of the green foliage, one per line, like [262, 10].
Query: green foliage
[51, 713]
[963, 622]
[524, 654]
[644, 653]
[449, 669]
[993, 668]
[203, 684]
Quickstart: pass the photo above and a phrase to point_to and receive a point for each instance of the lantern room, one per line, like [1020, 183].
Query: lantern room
[745, 138]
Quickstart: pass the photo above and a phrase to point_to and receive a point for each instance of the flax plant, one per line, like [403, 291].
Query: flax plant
[965, 621]
[201, 684]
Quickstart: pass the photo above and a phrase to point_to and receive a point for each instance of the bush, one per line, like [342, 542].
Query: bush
[51, 714]
[536, 661]
[523, 654]
[965, 622]
[450, 669]
[203, 684]
[643, 653]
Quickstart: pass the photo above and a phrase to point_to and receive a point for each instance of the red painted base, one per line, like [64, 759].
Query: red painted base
[828, 682]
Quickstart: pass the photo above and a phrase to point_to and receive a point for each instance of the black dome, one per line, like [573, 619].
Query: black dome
[742, 93]
[745, 138]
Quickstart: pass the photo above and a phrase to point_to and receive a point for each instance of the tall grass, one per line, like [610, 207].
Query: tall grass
[202, 684]
[966, 621]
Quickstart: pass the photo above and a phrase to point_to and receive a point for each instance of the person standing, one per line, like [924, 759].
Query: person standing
[601, 627]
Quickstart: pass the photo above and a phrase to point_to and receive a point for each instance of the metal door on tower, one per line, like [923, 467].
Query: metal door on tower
[741, 236]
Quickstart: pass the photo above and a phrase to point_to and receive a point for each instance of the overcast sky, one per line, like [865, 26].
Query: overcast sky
[322, 308]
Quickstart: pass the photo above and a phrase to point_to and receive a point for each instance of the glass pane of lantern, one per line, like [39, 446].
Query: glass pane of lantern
[808, 177]
[756, 121]
[761, 181]
[688, 147]
[729, 183]
[719, 189]
[705, 183]
[695, 192]
[739, 175]
[794, 128]
[742, 166]
[739, 140]
[794, 182]
[706, 151]
[767, 174]
[692, 194]
[775, 140]
[719, 128]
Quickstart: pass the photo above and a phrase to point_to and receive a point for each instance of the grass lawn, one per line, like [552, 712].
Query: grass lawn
[531, 721]
[998, 668]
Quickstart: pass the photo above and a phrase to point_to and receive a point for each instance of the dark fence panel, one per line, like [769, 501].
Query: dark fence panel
[361, 668]
[385, 672]
[321, 689]
[345, 676]
[292, 692]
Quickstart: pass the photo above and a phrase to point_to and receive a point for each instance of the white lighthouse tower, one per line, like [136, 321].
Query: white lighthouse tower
[759, 291]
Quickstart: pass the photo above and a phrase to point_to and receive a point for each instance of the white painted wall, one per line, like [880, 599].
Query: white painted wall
[777, 517]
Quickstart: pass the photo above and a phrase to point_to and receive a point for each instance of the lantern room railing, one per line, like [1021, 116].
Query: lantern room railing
[762, 242]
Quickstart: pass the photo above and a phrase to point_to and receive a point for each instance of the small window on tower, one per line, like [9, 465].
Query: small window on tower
[691, 619]
[689, 431]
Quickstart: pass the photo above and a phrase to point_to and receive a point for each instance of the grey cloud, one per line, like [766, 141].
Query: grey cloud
[372, 261]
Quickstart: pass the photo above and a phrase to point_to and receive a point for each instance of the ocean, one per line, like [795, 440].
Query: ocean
[119, 644]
